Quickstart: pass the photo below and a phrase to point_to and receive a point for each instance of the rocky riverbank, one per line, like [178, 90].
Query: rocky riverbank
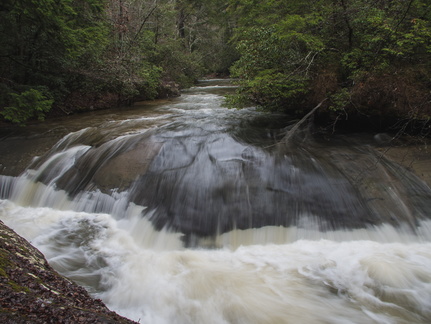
[32, 292]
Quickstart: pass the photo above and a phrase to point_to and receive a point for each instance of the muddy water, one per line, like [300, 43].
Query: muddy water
[183, 211]
[201, 169]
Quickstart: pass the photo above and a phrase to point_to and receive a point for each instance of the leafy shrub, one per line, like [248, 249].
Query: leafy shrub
[26, 105]
[274, 68]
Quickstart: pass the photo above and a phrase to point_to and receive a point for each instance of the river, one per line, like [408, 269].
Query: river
[183, 211]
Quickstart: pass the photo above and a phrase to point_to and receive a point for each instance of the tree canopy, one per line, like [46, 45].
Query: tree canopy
[365, 57]
[76, 54]
[369, 58]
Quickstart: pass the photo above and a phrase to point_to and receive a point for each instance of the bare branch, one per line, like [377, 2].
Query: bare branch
[290, 134]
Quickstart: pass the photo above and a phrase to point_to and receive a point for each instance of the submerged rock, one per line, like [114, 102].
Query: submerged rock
[32, 292]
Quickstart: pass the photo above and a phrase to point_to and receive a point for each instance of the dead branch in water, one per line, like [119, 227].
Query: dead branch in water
[291, 132]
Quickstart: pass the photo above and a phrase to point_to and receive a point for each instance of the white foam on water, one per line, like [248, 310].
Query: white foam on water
[299, 274]
[384, 233]
[376, 275]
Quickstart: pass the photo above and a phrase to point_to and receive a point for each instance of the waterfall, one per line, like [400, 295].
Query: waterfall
[188, 212]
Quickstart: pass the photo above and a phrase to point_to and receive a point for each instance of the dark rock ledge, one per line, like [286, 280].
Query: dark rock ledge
[32, 292]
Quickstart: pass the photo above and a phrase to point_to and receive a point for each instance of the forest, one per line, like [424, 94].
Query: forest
[367, 62]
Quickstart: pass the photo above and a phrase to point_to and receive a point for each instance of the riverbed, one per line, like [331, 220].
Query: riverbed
[184, 211]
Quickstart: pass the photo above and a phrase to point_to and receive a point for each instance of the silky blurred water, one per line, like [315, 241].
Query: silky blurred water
[184, 211]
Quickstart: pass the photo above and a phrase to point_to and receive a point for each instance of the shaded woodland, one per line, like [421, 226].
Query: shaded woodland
[369, 60]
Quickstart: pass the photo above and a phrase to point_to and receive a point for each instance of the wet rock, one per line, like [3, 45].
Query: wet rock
[168, 89]
[120, 171]
[383, 139]
[32, 292]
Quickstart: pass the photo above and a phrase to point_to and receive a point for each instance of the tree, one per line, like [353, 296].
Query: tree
[365, 56]
[42, 45]
[277, 56]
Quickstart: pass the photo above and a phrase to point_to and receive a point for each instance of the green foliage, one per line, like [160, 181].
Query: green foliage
[395, 34]
[180, 66]
[39, 34]
[123, 48]
[285, 45]
[275, 48]
[275, 64]
[151, 75]
[47, 44]
[270, 90]
[28, 104]
[339, 100]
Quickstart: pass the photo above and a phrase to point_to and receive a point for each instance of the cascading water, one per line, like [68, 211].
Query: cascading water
[187, 212]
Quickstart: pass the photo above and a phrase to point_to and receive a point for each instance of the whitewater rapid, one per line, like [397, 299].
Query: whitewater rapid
[293, 276]
[151, 264]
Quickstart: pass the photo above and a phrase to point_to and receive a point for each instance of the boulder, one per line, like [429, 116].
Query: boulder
[33, 292]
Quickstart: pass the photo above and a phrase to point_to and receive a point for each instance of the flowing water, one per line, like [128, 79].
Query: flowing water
[183, 211]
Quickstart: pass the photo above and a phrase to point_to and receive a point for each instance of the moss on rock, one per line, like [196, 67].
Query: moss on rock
[32, 292]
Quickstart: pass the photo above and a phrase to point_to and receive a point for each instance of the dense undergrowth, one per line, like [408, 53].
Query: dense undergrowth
[370, 60]
[61, 57]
